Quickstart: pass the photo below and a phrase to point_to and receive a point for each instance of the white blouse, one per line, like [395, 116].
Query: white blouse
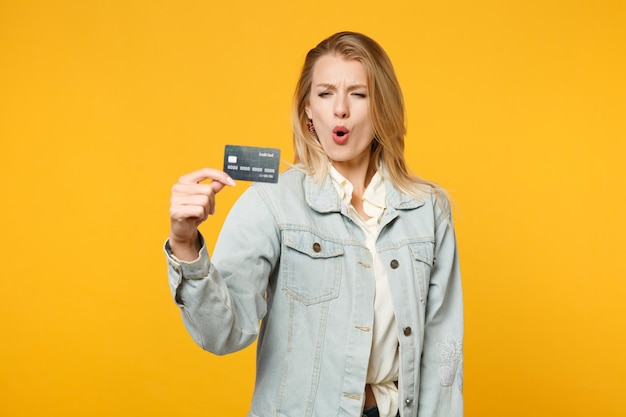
[384, 357]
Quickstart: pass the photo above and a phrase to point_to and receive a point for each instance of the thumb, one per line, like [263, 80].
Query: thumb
[217, 185]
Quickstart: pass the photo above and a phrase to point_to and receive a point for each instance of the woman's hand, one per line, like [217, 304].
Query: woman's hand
[190, 205]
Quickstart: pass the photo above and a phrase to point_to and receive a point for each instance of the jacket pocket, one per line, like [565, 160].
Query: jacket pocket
[423, 261]
[311, 266]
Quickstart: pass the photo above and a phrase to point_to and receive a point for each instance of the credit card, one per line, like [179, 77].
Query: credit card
[251, 163]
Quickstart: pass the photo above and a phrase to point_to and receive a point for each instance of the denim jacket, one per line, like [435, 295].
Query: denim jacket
[291, 268]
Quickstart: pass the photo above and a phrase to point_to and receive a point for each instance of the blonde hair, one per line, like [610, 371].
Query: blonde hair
[386, 111]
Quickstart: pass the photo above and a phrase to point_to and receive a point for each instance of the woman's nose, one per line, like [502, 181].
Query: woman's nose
[341, 107]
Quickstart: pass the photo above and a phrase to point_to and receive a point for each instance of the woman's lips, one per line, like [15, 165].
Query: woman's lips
[340, 135]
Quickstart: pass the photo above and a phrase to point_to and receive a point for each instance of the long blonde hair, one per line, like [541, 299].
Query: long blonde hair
[386, 111]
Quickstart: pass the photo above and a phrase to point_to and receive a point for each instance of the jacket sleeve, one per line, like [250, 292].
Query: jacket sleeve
[441, 384]
[222, 300]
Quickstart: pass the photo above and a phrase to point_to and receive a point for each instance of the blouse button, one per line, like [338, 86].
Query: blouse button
[317, 247]
[408, 401]
[407, 331]
[394, 264]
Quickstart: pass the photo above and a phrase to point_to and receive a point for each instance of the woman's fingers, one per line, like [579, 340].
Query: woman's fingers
[192, 201]
[205, 174]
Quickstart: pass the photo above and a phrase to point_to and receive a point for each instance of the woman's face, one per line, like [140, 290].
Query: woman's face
[339, 105]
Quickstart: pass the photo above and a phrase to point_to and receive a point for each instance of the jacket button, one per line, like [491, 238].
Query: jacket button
[407, 331]
[408, 401]
[394, 264]
[317, 247]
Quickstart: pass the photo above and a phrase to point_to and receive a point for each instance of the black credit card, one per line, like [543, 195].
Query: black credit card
[251, 163]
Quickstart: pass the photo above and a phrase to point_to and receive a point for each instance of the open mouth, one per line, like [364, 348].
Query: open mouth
[340, 134]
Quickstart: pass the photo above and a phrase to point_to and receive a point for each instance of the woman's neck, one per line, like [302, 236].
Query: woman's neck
[358, 175]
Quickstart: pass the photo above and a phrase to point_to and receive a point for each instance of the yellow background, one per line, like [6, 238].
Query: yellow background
[517, 107]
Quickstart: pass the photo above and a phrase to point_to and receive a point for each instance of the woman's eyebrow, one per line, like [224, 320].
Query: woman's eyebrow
[333, 86]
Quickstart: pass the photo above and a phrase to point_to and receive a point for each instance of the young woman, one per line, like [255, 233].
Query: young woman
[346, 271]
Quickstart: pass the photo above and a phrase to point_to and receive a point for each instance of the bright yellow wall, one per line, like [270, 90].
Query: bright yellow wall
[518, 107]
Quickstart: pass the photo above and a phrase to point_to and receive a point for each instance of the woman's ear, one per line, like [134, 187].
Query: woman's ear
[307, 110]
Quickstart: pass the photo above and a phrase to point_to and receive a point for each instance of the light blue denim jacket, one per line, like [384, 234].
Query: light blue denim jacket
[291, 268]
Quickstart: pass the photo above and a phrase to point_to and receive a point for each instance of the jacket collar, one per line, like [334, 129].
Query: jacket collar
[325, 199]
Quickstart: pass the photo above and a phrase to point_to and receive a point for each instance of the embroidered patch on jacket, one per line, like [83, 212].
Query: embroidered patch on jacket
[451, 366]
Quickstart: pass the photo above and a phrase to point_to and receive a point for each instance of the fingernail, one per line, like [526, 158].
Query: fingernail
[230, 181]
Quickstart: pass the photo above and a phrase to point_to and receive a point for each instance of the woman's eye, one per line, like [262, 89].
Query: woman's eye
[324, 94]
[360, 95]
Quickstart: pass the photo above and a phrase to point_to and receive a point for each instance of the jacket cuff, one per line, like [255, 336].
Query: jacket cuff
[196, 269]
